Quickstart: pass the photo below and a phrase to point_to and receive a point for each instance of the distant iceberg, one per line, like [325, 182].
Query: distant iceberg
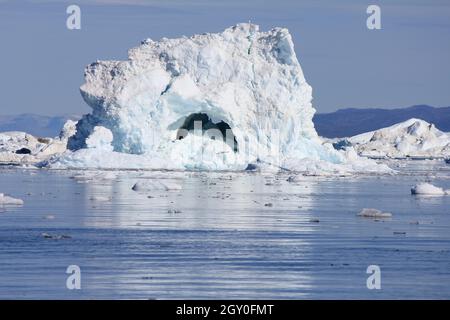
[413, 138]
[21, 148]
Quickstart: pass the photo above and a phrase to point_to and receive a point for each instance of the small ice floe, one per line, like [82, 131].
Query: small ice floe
[100, 198]
[374, 213]
[156, 185]
[226, 177]
[83, 177]
[428, 189]
[49, 217]
[97, 177]
[6, 200]
[55, 236]
[109, 175]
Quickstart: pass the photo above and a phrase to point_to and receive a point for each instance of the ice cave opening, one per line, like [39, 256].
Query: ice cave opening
[201, 123]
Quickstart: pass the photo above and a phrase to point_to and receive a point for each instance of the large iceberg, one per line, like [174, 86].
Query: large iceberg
[215, 101]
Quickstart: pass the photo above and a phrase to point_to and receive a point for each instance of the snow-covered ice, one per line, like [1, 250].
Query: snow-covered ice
[25, 149]
[7, 200]
[157, 185]
[411, 138]
[373, 213]
[100, 139]
[428, 189]
[211, 102]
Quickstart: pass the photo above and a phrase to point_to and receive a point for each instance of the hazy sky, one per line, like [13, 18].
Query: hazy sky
[405, 63]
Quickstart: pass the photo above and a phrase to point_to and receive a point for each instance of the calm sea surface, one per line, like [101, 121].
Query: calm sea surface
[223, 235]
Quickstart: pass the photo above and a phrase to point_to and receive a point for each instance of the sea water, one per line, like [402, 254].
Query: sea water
[224, 235]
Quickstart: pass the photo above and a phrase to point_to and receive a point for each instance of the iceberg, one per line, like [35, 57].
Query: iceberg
[413, 138]
[215, 101]
[21, 148]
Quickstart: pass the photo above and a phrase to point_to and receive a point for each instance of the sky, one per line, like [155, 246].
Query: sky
[405, 63]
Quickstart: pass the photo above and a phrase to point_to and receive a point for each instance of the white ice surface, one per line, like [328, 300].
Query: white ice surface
[248, 79]
[40, 149]
[373, 213]
[157, 185]
[100, 139]
[428, 189]
[7, 200]
[413, 138]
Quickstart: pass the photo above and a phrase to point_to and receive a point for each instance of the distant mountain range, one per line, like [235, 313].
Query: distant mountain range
[37, 125]
[341, 123]
[350, 122]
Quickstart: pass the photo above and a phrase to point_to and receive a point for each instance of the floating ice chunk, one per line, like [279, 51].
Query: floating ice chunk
[374, 213]
[156, 185]
[46, 235]
[428, 189]
[6, 200]
[100, 198]
[90, 176]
